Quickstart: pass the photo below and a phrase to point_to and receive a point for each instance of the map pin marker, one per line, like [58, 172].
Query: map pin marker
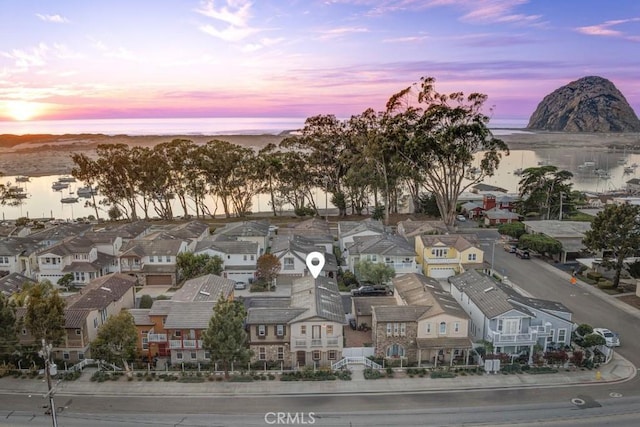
[315, 269]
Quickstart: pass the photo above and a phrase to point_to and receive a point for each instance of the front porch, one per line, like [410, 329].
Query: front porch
[435, 352]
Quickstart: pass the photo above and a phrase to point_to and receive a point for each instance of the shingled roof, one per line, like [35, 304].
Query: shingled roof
[204, 288]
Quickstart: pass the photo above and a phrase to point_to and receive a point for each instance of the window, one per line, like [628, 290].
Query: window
[65, 355]
[389, 329]
[179, 355]
[152, 259]
[443, 328]
[24, 331]
[396, 329]
[562, 335]
[395, 350]
[428, 328]
[403, 329]
[262, 353]
[329, 330]
[316, 355]
[4, 260]
[253, 257]
[280, 353]
[303, 329]
[207, 355]
[178, 333]
[78, 331]
[280, 330]
[288, 263]
[440, 252]
[80, 355]
[456, 327]
[333, 355]
[262, 330]
[194, 355]
[95, 322]
[510, 326]
[471, 257]
[552, 333]
[244, 257]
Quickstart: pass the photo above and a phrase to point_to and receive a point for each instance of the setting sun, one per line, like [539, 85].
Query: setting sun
[23, 110]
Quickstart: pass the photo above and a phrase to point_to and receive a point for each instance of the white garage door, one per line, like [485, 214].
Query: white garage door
[441, 272]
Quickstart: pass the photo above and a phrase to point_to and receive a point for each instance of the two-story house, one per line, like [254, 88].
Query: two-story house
[315, 231]
[307, 332]
[152, 262]
[77, 256]
[85, 312]
[13, 283]
[409, 229]
[239, 257]
[392, 250]
[18, 255]
[514, 324]
[292, 251]
[441, 256]
[173, 328]
[247, 231]
[348, 230]
[425, 325]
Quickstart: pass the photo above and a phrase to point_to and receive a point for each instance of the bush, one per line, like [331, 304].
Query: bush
[442, 374]
[241, 379]
[594, 275]
[146, 301]
[372, 374]
[344, 375]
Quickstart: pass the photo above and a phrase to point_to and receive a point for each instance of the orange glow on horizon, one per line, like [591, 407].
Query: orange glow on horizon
[23, 110]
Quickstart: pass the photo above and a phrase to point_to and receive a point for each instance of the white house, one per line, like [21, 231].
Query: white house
[392, 250]
[239, 257]
[348, 230]
[292, 252]
[153, 262]
[246, 231]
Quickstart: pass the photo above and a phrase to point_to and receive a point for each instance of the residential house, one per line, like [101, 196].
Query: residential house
[425, 325]
[392, 250]
[247, 231]
[315, 231]
[13, 282]
[152, 262]
[56, 234]
[239, 257]
[497, 216]
[472, 209]
[513, 323]
[362, 308]
[85, 312]
[128, 230]
[18, 255]
[191, 232]
[569, 233]
[292, 251]
[77, 256]
[409, 229]
[500, 201]
[348, 230]
[173, 328]
[307, 332]
[441, 256]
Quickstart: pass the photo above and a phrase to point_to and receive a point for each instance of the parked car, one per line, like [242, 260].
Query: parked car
[611, 339]
[240, 286]
[353, 324]
[522, 253]
[510, 247]
[371, 291]
[461, 218]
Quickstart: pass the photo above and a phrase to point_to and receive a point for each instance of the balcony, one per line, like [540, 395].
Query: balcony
[540, 330]
[185, 344]
[500, 338]
[316, 343]
[429, 260]
[157, 337]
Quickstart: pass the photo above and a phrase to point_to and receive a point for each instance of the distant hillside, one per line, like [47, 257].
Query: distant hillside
[590, 104]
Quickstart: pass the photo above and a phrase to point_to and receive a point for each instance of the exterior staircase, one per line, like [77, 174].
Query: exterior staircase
[358, 360]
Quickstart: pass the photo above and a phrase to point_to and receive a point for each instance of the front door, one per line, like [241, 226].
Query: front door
[301, 358]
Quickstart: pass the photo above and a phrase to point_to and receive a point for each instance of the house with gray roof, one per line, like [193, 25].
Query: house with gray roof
[239, 257]
[409, 229]
[392, 250]
[308, 332]
[129, 230]
[348, 230]
[19, 255]
[569, 233]
[77, 256]
[425, 324]
[204, 288]
[153, 262]
[513, 323]
[256, 231]
[316, 231]
[497, 216]
[292, 251]
[13, 282]
[56, 234]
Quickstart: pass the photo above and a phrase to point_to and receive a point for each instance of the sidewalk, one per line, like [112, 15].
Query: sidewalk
[619, 369]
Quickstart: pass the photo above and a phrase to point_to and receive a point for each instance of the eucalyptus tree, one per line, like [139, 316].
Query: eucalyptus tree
[117, 178]
[446, 133]
[86, 170]
[322, 140]
[295, 181]
[269, 160]
[183, 180]
[542, 190]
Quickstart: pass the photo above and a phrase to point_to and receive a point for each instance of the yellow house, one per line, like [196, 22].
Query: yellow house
[444, 255]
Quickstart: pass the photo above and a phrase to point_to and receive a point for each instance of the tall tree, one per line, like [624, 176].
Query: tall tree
[447, 135]
[267, 268]
[116, 341]
[542, 190]
[86, 170]
[374, 272]
[190, 265]
[44, 317]
[616, 232]
[226, 338]
[8, 328]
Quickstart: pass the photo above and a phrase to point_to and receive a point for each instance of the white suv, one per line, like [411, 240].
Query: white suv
[611, 339]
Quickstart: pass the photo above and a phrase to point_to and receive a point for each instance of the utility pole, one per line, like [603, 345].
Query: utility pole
[46, 354]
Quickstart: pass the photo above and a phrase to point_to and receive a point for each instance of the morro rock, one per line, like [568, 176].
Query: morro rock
[590, 104]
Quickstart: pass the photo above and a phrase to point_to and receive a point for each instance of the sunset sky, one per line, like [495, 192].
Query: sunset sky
[79, 59]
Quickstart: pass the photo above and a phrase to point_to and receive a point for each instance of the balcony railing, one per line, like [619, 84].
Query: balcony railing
[180, 344]
[157, 337]
[513, 339]
[541, 330]
[430, 260]
[308, 343]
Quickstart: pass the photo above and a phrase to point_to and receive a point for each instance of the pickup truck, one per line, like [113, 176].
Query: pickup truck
[522, 253]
